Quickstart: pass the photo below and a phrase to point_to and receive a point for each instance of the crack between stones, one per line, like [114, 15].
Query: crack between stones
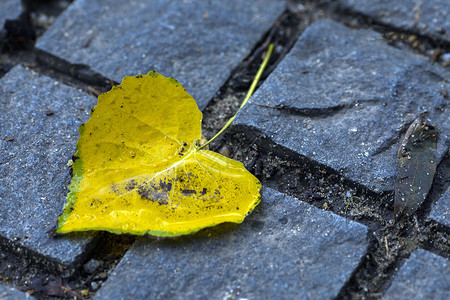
[393, 34]
[434, 238]
[78, 71]
[49, 264]
[379, 260]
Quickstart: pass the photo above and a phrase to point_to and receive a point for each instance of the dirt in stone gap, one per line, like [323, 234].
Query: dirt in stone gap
[436, 50]
[21, 270]
[17, 46]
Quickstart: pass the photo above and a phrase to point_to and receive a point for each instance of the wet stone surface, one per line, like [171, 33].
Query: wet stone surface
[441, 209]
[344, 98]
[424, 275]
[9, 9]
[39, 120]
[341, 99]
[10, 293]
[431, 17]
[285, 248]
[197, 42]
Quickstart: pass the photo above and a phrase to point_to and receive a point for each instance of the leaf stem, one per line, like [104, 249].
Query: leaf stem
[247, 97]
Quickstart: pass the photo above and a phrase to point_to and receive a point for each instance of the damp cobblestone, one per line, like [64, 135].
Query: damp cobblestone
[441, 209]
[39, 118]
[10, 293]
[9, 10]
[342, 98]
[424, 275]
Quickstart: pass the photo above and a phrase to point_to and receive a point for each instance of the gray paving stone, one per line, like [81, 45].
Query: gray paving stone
[42, 116]
[441, 209]
[285, 249]
[10, 293]
[343, 98]
[9, 9]
[431, 17]
[197, 42]
[424, 275]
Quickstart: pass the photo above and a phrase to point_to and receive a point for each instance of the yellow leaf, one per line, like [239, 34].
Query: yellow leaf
[139, 169]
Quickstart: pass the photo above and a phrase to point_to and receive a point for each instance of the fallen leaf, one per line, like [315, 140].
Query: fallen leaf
[416, 167]
[139, 168]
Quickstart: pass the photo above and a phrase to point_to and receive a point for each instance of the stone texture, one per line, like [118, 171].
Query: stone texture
[9, 9]
[424, 275]
[42, 116]
[10, 293]
[343, 98]
[431, 17]
[441, 209]
[285, 249]
[197, 42]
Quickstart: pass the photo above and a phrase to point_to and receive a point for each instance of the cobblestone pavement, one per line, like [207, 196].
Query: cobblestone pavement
[346, 80]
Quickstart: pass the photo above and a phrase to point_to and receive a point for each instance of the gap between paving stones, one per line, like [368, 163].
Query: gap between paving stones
[397, 37]
[372, 14]
[367, 21]
[375, 246]
[40, 15]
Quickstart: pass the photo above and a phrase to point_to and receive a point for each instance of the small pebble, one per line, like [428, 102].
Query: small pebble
[91, 266]
[446, 56]
[225, 151]
[94, 285]
[300, 8]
